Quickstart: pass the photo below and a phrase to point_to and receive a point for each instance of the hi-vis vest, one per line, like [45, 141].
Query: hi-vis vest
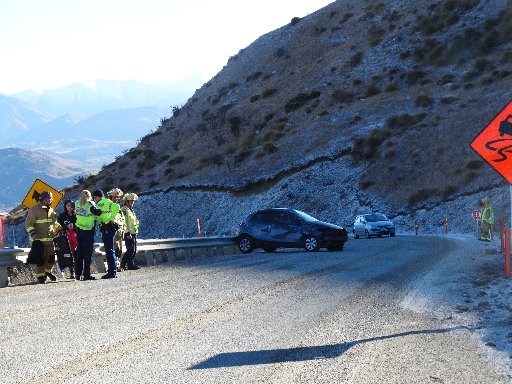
[118, 216]
[84, 217]
[132, 223]
[105, 205]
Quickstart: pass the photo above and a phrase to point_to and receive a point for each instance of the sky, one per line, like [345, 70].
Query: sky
[48, 44]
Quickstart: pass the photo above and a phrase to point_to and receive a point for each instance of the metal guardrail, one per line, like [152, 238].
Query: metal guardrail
[149, 252]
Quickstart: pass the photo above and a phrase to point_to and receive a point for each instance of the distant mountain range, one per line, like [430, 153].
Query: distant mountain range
[81, 128]
[110, 94]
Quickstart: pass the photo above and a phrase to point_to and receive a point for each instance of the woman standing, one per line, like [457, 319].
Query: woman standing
[85, 225]
[65, 245]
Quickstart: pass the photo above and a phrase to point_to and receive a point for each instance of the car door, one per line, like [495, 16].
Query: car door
[261, 226]
[286, 228]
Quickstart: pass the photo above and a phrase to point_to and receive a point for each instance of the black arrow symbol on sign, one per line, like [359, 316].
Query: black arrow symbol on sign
[36, 195]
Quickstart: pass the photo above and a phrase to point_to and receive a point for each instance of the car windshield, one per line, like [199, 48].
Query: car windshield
[304, 216]
[375, 217]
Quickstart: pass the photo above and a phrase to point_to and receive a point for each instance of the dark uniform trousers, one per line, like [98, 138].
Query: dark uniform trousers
[85, 239]
[131, 250]
[108, 236]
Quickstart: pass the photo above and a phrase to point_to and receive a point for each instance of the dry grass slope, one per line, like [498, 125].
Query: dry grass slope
[401, 87]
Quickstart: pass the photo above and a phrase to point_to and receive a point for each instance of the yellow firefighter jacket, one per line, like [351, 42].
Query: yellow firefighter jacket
[42, 221]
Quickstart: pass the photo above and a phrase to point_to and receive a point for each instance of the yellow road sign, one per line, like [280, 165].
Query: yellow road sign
[35, 191]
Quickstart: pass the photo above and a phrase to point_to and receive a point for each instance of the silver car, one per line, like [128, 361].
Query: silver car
[373, 224]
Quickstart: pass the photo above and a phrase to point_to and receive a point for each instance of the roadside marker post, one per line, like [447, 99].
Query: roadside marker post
[198, 227]
[507, 252]
[2, 234]
[502, 233]
[446, 226]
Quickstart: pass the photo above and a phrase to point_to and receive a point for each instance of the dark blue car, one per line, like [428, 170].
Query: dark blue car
[283, 227]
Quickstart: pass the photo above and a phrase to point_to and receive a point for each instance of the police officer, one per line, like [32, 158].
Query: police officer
[117, 214]
[108, 230]
[132, 228]
[41, 224]
[85, 212]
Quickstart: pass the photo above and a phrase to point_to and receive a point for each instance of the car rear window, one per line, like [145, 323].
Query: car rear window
[375, 217]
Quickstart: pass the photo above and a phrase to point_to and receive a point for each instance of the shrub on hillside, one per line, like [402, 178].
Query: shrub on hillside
[295, 20]
[422, 195]
[299, 100]
[341, 96]
[356, 59]
[423, 101]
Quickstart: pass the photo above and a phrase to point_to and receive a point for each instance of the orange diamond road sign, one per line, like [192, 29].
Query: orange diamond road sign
[494, 143]
[33, 194]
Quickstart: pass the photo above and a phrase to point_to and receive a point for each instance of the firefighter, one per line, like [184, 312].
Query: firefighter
[114, 195]
[41, 224]
[108, 229]
[487, 218]
[85, 211]
[132, 228]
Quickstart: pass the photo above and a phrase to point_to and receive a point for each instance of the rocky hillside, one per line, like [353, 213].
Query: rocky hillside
[360, 106]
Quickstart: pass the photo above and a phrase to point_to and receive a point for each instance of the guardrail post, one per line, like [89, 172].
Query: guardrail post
[198, 227]
[8, 259]
[507, 252]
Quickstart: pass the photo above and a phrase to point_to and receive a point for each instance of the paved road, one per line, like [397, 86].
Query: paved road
[287, 317]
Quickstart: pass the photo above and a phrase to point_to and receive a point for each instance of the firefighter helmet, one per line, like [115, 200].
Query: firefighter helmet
[115, 192]
[130, 196]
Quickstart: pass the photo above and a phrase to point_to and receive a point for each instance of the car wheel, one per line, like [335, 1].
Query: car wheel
[311, 243]
[245, 244]
[391, 235]
[367, 234]
[269, 249]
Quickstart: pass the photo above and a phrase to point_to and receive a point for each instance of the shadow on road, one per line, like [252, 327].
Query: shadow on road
[271, 356]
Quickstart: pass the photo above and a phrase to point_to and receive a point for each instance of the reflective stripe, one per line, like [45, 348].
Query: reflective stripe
[42, 221]
[46, 239]
[30, 229]
[39, 274]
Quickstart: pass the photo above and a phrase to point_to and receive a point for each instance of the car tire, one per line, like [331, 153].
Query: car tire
[245, 244]
[269, 249]
[311, 243]
[356, 236]
[367, 234]
[391, 235]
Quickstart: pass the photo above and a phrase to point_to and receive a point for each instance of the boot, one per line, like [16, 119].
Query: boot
[109, 276]
[41, 279]
[71, 273]
[51, 276]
